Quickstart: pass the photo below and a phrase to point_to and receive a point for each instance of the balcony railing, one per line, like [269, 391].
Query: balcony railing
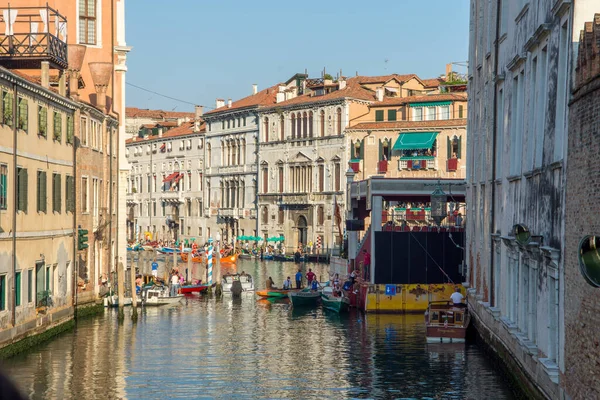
[30, 35]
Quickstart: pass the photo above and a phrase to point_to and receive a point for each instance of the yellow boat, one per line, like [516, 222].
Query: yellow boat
[229, 260]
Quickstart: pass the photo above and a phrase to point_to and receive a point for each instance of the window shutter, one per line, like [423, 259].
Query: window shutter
[57, 126]
[458, 153]
[70, 129]
[380, 150]
[58, 195]
[8, 109]
[379, 115]
[42, 121]
[351, 149]
[22, 190]
[22, 117]
[362, 149]
[449, 147]
[391, 115]
[3, 188]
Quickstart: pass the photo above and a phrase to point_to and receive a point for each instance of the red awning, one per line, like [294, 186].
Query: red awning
[171, 177]
[178, 179]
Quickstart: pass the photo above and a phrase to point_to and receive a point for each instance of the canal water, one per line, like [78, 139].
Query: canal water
[249, 348]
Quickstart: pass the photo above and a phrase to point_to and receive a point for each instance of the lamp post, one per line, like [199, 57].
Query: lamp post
[438, 204]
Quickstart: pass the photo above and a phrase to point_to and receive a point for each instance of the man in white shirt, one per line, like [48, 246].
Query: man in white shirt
[174, 284]
[287, 284]
[457, 297]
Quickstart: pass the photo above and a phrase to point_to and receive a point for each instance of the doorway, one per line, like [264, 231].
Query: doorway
[302, 230]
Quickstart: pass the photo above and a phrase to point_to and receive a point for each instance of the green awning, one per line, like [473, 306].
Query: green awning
[355, 160]
[415, 141]
[415, 158]
[430, 104]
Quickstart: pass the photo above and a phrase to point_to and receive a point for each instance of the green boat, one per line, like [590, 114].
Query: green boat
[305, 298]
[333, 303]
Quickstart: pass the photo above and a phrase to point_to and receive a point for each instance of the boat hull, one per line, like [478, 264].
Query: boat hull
[163, 301]
[337, 304]
[274, 293]
[304, 299]
[229, 260]
[193, 289]
[195, 259]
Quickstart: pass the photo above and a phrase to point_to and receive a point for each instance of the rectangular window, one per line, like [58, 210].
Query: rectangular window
[56, 193]
[22, 182]
[87, 21]
[417, 114]
[29, 285]
[22, 117]
[2, 292]
[460, 112]
[3, 187]
[445, 112]
[430, 113]
[379, 115]
[70, 129]
[337, 174]
[18, 289]
[84, 131]
[391, 115]
[42, 199]
[42, 121]
[84, 195]
[7, 108]
[562, 93]
[70, 194]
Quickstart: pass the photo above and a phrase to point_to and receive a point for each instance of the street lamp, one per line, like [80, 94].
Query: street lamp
[438, 204]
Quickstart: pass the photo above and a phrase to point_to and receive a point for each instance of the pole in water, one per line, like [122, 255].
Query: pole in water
[209, 263]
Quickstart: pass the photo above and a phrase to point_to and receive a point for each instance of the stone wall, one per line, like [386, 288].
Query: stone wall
[582, 304]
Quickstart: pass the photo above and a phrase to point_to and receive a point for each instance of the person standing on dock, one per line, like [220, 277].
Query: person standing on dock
[174, 284]
[298, 279]
[155, 269]
[310, 276]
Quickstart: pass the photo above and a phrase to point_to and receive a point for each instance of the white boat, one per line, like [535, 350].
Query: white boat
[113, 301]
[246, 281]
[159, 296]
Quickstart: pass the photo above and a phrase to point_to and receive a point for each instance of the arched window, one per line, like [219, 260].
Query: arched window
[299, 125]
[385, 150]
[265, 215]
[238, 152]
[321, 178]
[320, 215]
[322, 123]
[265, 179]
[233, 152]
[281, 128]
[456, 153]
[266, 128]
[293, 119]
[339, 121]
[310, 124]
[243, 152]
[208, 155]
[356, 151]
[304, 124]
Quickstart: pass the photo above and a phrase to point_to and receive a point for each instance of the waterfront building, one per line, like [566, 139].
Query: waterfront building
[231, 155]
[136, 118]
[65, 140]
[165, 183]
[582, 269]
[520, 79]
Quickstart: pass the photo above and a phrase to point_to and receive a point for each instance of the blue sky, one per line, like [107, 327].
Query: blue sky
[198, 50]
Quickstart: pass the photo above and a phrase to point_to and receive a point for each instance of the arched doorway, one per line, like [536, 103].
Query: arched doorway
[302, 230]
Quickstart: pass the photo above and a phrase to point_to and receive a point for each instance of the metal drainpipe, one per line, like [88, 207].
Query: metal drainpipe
[492, 298]
[75, 261]
[257, 145]
[13, 315]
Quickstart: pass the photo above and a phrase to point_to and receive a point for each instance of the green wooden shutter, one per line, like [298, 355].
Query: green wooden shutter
[2, 292]
[57, 126]
[56, 193]
[42, 193]
[70, 129]
[18, 289]
[68, 193]
[43, 121]
[3, 188]
[449, 147]
[380, 150]
[23, 117]
[8, 109]
[391, 115]
[459, 152]
[379, 115]
[362, 149]
[29, 285]
[22, 189]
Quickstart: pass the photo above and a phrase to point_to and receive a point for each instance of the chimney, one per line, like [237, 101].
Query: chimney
[45, 74]
[76, 53]
[379, 93]
[281, 88]
[160, 131]
[101, 73]
[219, 103]
[281, 96]
[228, 103]
[198, 117]
[449, 72]
[342, 84]
[254, 88]
[62, 83]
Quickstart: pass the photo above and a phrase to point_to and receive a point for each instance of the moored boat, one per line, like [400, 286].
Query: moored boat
[229, 259]
[446, 322]
[246, 281]
[193, 288]
[338, 304]
[305, 298]
[159, 296]
[275, 293]
[196, 258]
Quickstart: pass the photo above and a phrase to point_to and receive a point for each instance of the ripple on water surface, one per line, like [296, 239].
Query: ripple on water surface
[228, 348]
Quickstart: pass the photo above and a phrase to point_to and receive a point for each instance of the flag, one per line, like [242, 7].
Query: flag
[163, 147]
[338, 216]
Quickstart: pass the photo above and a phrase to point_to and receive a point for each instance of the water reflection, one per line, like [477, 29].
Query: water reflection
[223, 348]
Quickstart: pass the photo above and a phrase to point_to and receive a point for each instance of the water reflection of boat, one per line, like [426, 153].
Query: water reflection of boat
[246, 281]
[446, 322]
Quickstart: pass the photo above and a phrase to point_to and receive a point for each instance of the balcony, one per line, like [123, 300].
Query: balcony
[417, 163]
[382, 167]
[35, 34]
[228, 212]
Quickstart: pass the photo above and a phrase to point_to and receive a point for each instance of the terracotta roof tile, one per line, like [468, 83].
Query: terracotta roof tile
[389, 101]
[187, 128]
[432, 83]
[384, 78]
[409, 124]
[134, 112]
[265, 97]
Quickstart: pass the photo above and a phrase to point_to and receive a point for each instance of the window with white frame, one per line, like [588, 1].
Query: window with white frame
[88, 26]
[430, 113]
[417, 114]
[445, 112]
[84, 131]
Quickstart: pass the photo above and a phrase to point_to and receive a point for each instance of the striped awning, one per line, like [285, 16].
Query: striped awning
[430, 104]
[171, 177]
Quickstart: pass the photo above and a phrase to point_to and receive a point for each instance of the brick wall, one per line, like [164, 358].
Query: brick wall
[582, 301]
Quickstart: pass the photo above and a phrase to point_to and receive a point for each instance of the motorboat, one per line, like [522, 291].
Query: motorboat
[338, 304]
[229, 259]
[245, 279]
[275, 293]
[446, 322]
[305, 298]
[159, 296]
[199, 288]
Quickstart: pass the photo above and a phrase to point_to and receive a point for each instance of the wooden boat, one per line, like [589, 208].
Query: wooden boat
[193, 288]
[305, 298]
[268, 257]
[283, 258]
[446, 322]
[246, 281]
[245, 256]
[171, 250]
[229, 259]
[197, 258]
[275, 293]
[159, 296]
[338, 304]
